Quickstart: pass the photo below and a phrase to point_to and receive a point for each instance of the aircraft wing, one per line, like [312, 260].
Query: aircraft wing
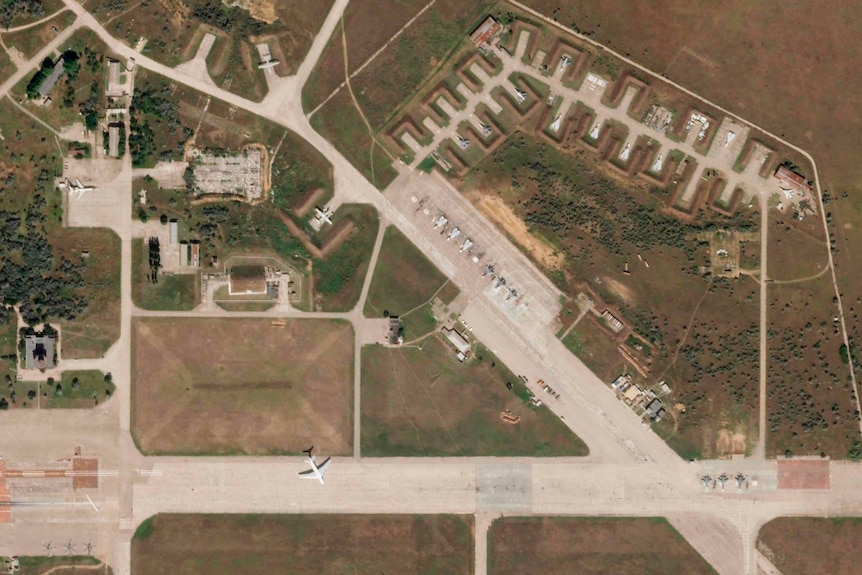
[310, 474]
[324, 466]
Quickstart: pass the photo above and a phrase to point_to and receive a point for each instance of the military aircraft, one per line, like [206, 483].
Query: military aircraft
[316, 471]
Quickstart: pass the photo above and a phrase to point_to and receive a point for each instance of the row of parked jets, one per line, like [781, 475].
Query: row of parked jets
[708, 482]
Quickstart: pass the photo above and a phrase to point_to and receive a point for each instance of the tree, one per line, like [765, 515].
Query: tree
[3, 403]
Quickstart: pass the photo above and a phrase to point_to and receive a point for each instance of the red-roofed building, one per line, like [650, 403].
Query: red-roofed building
[790, 180]
[485, 32]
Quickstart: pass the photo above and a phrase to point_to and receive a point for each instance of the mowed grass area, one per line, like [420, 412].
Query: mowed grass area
[700, 334]
[92, 333]
[179, 292]
[72, 565]
[304, 544]
[77, 390]
[805, 545]
[424, 402]
[340, 122]
[404, 283]
[338, 276]
[621, 546]
[241, 386]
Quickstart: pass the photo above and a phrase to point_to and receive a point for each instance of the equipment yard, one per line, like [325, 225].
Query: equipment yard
[235, 386]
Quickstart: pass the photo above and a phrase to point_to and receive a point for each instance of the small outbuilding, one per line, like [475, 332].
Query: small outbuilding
[459, 341]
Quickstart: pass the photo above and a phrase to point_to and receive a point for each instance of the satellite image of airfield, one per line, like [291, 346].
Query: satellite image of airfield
[430, 287]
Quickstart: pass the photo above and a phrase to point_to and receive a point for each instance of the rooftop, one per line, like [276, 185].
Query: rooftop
[247, 280]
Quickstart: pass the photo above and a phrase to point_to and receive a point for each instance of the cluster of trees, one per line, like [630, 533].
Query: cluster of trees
[11, 9]
[231, 19]
[30, 275]
[35, 82]
[152, 110]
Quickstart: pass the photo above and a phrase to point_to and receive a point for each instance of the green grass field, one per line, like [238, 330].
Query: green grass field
[424, 402]
[338, 278]
[304, 544]
[76, 389]
[404, 279]
[172, 293]
[92, 333]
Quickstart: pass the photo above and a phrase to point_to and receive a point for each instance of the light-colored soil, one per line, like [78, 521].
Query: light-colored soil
[496, 209]
[260, 9]
[242, 386]
[622, 290]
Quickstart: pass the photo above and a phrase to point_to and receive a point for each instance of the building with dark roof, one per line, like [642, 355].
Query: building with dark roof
[394, 330]
[39, 351]
[49, 82]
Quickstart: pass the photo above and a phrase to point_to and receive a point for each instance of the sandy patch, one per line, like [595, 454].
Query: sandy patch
[622, 290]
[260, 9]
[495, 209]
[729, 442]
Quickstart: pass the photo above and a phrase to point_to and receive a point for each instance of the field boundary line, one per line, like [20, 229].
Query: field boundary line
[436, 409]
[804, 153]
[423, 304]
[370, 58]
[359, 108]
[687, 329]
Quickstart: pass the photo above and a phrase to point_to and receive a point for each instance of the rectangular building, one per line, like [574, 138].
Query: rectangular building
[485, 32]
[174, 232]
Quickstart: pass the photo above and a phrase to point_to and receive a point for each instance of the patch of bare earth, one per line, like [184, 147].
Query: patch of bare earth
[496, 209]
[259, 9]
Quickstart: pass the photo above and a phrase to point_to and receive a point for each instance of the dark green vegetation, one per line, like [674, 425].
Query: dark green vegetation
[390, 80]
[711, 366]
[404, 283]
[76, 389]
[70, 565]
[78, 95]
[424, 402]
[621, 546]
[304, 544]
[8, 355]
[172, 292]
[804, 545]
[98, 327]
[18, 12]
[41, 271]
[157, 132]
[339, 275]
